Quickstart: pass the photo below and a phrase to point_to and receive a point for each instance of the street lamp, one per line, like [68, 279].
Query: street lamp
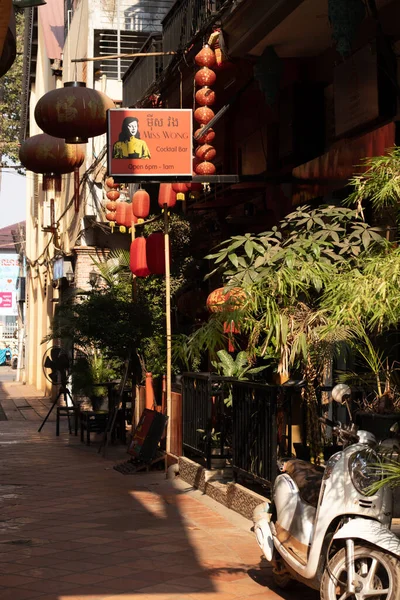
[69, 276]
[93, 278]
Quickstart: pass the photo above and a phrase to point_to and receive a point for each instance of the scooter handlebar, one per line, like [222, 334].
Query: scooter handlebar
[350, 435]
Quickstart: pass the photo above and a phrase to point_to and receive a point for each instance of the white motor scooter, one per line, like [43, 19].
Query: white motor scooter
[324, 529]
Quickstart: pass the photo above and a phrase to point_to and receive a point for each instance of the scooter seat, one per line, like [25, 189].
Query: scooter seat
[308, 479]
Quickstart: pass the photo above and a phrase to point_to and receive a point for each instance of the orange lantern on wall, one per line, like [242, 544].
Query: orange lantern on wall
[155, 253]
[205, 76]
[206, 57]
[138, 260]
[73, 112]
[121, 211]
[180, 190]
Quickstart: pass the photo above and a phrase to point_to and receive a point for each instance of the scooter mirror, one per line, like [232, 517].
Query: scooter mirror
[341, 392]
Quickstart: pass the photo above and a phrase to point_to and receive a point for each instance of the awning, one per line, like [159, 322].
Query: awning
[333, 169]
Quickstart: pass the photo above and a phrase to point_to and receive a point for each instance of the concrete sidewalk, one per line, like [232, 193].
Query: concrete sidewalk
[73, 528]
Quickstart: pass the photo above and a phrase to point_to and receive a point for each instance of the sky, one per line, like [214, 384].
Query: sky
[12, 197]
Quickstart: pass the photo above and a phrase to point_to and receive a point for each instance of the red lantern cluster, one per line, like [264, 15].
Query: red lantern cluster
[147, 255]
[205, 97]
[112, 197]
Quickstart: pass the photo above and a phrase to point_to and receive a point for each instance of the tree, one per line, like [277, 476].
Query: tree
[10, 98]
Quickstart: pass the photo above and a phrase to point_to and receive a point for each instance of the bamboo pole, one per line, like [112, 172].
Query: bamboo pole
[115, 56]
[168, 320]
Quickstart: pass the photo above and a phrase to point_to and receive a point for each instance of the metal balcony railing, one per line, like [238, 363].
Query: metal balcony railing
[184, 20]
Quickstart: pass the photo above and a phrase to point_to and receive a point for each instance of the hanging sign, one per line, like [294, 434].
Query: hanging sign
[149, 144]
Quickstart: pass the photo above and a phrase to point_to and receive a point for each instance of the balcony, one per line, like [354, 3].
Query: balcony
[142, 73]
[185, 19]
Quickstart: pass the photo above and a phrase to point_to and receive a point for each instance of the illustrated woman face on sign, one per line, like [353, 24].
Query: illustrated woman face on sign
[129, 144]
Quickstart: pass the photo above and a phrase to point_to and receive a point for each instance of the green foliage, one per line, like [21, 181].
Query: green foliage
[10, 98]
[93, 368]
[380, 184]
[237, 368]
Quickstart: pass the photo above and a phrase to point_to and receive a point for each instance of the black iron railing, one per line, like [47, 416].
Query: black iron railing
[185, 19]
[206, 419]
[253, 431]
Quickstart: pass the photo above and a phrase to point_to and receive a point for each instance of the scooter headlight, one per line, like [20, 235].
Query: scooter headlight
[364, 471]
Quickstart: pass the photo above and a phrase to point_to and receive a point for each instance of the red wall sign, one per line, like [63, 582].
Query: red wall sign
[150, 143]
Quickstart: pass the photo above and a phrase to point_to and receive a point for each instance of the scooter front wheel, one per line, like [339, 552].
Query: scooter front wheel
[377, 575]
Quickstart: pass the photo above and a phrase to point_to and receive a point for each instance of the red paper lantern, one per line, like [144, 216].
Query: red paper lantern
[73, 112]
[138, 261]
[206, 57]
[205, 168]
[112, 206]
[123, 208]
[195, 190]
[49, 155]
[206, 152]
[205, 76]
[155, 253]
[141, 204]
[166, 195]
[110, 183]
[130, 218]
[180, 189]
[113, 195]
[110, 216]
[203, 114]
[207, 137]
[205, 96]
[219, 300]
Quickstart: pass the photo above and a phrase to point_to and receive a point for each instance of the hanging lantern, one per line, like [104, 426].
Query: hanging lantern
[73, 112]
[180, 189]
[206, 57]
[140, 205]
[50, 156]
[138, 261]
[195, 190]
[155, 253]
[130, 218]
[120, 215]
[206, 138]
[110, 183]
[205, 152]
[205, 168]
[113, 195]
[230, 329]
[111, 206]
[205, 96]
[219, 300]
[166, 195]
[203, 114]
[205, 76]
[110, 216]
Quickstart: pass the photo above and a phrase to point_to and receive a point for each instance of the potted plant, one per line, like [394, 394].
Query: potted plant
[90, 373]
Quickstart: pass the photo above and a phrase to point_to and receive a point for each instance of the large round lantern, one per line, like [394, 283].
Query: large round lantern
[73, 112]
[219, 300]
[111, 183]
[205, 138]
[52, 157]
[155, 253]
[138, 260]
[205, 152]
[166, 195]
[113, 195]
[140, 205]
